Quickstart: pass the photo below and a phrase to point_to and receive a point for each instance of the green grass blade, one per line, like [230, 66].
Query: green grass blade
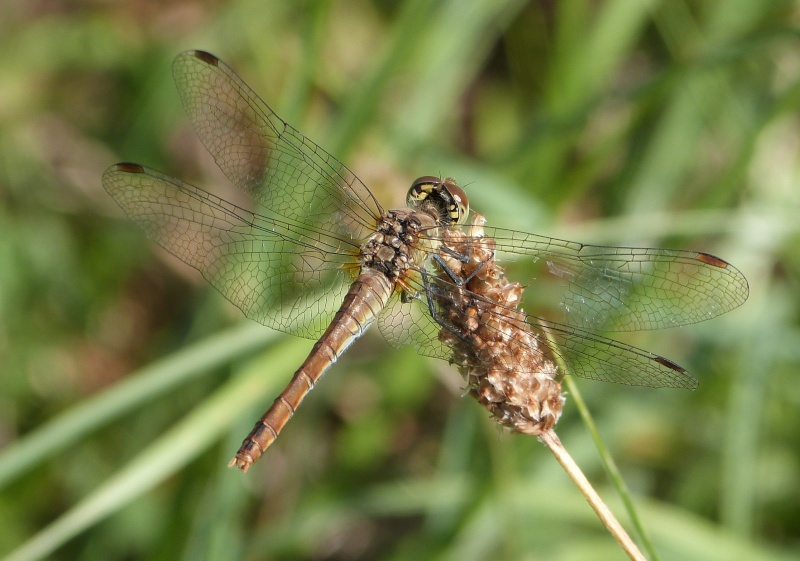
[74, 424]
[179, 446]
[612, 470]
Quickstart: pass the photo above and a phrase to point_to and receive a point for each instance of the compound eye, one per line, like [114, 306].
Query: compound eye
[426, 180]
[421, 189]
[459, 205]
[443, 197]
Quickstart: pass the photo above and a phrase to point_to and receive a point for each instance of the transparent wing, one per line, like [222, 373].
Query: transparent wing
[275, 164]
[290, 267]
[629, 289]
[288, 278]
[411, 324]
[583, 353]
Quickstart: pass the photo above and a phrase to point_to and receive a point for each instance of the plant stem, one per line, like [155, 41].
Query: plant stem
[551, 440]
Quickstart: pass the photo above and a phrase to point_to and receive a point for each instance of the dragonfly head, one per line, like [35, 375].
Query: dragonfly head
[449, 201]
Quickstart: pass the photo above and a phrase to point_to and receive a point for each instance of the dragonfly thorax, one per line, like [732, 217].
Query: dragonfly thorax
[442, 196]
[390, 249]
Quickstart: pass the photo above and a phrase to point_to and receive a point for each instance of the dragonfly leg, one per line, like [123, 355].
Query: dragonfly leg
[407, 294]
[430, 289]
[457, 280]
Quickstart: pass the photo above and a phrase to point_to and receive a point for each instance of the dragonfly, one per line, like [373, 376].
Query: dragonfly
[320, 258]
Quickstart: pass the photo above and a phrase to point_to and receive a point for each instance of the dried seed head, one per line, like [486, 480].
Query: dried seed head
[505, 365]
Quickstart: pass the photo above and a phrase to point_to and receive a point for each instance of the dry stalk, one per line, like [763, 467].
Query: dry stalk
[506, 365]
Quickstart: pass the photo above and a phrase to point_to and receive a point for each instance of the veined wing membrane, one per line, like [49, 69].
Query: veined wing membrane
[629, 289]
[410, 324]
[281, 169]
[288, 278]
[583, 353]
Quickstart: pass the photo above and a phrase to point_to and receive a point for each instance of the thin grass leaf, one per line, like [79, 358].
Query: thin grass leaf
[179, 446]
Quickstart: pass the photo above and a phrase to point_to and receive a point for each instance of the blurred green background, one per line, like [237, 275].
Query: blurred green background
[128, 383]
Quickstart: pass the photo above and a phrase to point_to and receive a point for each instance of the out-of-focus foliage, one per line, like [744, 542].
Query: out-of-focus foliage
[648, 122]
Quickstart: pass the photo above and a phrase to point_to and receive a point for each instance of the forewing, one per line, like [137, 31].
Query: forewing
[288, 278]
[629, 289]
[285, 172]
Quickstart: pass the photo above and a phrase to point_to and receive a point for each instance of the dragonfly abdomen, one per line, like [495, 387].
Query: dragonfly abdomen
[368, 295]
